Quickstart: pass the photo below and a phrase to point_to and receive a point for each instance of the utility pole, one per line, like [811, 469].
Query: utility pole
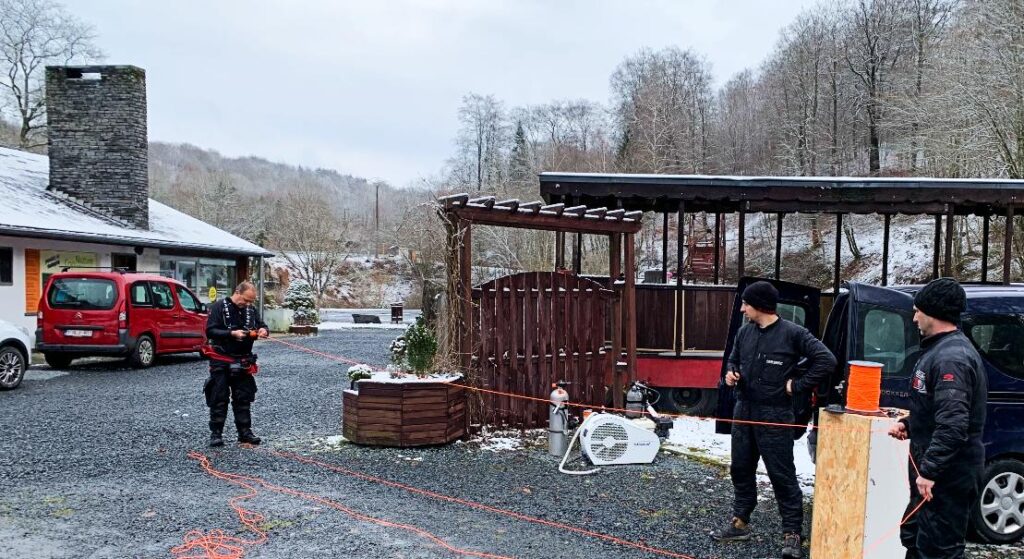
[376, 221]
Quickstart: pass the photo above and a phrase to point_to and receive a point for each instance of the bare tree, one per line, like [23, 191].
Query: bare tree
[34, 34]
[482, 140]
[310, 237]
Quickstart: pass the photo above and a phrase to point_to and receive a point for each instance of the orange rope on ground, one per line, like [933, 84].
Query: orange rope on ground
[481, 506]
[217, 545]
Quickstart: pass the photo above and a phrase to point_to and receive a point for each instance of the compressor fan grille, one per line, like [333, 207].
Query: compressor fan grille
[609, 441]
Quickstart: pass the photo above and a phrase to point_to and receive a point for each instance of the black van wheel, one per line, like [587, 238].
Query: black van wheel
[12, 367]
[57, 360]
[144, 353]
[689, 401]
[998, 515]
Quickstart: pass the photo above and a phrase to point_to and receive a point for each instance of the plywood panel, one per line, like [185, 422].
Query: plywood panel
[33, 289]
[841, 486]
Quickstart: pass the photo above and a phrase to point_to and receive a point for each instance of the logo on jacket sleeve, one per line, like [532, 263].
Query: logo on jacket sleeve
[948, 377]
[918, 382]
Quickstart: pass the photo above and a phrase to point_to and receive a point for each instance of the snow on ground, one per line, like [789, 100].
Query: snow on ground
[697, 437]
[385, 376]
[351, 325]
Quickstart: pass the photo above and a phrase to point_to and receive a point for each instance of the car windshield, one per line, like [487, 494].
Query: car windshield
[82, 294]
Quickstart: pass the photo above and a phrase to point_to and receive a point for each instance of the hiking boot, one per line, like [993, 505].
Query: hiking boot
[791, 547]
[216, 439]
[248, 437]
[736, 531]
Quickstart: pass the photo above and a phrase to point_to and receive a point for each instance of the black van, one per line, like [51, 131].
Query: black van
[876, 324]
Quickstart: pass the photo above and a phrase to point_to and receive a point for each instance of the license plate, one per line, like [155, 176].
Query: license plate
[78, 333]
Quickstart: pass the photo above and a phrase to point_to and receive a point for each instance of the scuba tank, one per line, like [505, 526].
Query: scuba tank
[558, 420]
[635, 400]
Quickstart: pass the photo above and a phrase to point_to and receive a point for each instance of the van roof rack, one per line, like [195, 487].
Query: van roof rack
[119, 269]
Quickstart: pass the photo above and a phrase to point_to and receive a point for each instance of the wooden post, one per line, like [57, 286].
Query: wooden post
[630, 310]
[614, 269]
[778, 244]
[577, 255]
[947, 266]
[559, 250]
[935, 243]
[679, 280]
[839, 251]
[741, 245]
[718, 244]
[885, 249]
[464, 230]
[984, 248]
[664, 249]
[1007, 244]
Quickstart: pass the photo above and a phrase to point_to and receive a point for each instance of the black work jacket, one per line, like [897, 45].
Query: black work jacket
[948, 395]
[225, 316]
[766, 358]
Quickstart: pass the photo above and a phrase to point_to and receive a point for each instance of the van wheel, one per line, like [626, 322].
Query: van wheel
[57, 360]
[998, 515]
[12, 367]
[689, 401]
[144, 353]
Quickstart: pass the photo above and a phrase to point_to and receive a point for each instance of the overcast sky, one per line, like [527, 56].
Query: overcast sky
[372, 87]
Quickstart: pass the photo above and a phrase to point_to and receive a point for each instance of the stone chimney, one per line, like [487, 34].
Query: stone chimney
[99, 151]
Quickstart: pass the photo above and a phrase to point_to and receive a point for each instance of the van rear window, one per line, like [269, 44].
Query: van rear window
[82, 294]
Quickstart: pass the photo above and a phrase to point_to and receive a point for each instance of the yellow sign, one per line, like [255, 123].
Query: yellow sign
[53, 261]
[213, 293]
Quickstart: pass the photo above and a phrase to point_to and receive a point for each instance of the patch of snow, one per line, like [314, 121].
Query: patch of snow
[352, 325]
[501, 444]
[697, 437]
[385, 377]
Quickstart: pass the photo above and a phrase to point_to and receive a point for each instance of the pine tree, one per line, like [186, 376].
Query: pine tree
[519, 161]
[299, 298]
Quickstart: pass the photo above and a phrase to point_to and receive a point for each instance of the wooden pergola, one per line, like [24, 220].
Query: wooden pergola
[461, 213]
[888, 196]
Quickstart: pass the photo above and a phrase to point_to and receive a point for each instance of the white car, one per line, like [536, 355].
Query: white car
[14, 355]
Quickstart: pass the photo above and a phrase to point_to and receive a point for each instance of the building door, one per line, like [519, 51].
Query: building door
[126, 261]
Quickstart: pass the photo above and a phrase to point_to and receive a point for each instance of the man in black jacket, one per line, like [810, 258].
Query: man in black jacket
[948, 396]
[232, 327]
[762, 367]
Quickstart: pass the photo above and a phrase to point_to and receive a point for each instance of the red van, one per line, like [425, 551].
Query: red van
[138, 316]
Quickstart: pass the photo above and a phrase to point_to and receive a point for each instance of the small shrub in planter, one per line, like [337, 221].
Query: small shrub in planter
[359, 372]
[420, 347]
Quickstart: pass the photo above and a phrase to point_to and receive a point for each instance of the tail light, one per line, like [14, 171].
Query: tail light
[122, 317]
[39, 319]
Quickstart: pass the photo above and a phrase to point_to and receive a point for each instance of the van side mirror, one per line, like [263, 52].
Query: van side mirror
[202, 308]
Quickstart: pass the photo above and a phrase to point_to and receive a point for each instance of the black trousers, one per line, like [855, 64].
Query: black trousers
[774, 445]
[223, 386]
[939, 529]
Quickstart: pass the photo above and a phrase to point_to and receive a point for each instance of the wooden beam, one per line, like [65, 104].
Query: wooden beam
[465, 231]
[664, 248]
[887, 218]
[485, 201]
[553, 208]
[531, 207]
[630, 309]
[454, 200]
[839, 252]
[614, 270]
[545, 221]
[578, 211]
[597, 212]
[947, 266]
[635, 215]
[616, 214]
[679, 280]
[936, 244]
[1007, 244]
[577, 254]
[984, 247]
[741, 247]
[718, 244]
[512, 205]
[559, 250]
[778, 244]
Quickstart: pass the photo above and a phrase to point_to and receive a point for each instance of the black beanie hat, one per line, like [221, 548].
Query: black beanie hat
[943, 299]
[762, 296]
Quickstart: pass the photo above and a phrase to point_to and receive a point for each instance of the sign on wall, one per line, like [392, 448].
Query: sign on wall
[54, 260]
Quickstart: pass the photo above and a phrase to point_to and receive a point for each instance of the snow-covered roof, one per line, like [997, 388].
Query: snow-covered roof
[28, 210]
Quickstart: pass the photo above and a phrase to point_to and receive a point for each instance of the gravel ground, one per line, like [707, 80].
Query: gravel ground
[93, 463]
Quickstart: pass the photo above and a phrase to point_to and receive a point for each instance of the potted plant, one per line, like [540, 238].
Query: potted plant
[300, 299]
[278, 318]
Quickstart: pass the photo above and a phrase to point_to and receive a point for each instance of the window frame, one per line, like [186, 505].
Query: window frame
[131, 295]
[10, 256]
[180, 290]
[170, 294]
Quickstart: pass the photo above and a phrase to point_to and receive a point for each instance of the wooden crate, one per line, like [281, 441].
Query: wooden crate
[404, 414]
[860, 488]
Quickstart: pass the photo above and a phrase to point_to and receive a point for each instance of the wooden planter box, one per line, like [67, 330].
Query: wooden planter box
[404, 414]
[303, 329]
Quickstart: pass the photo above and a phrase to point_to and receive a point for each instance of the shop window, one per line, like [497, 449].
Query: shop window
[6, 266]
